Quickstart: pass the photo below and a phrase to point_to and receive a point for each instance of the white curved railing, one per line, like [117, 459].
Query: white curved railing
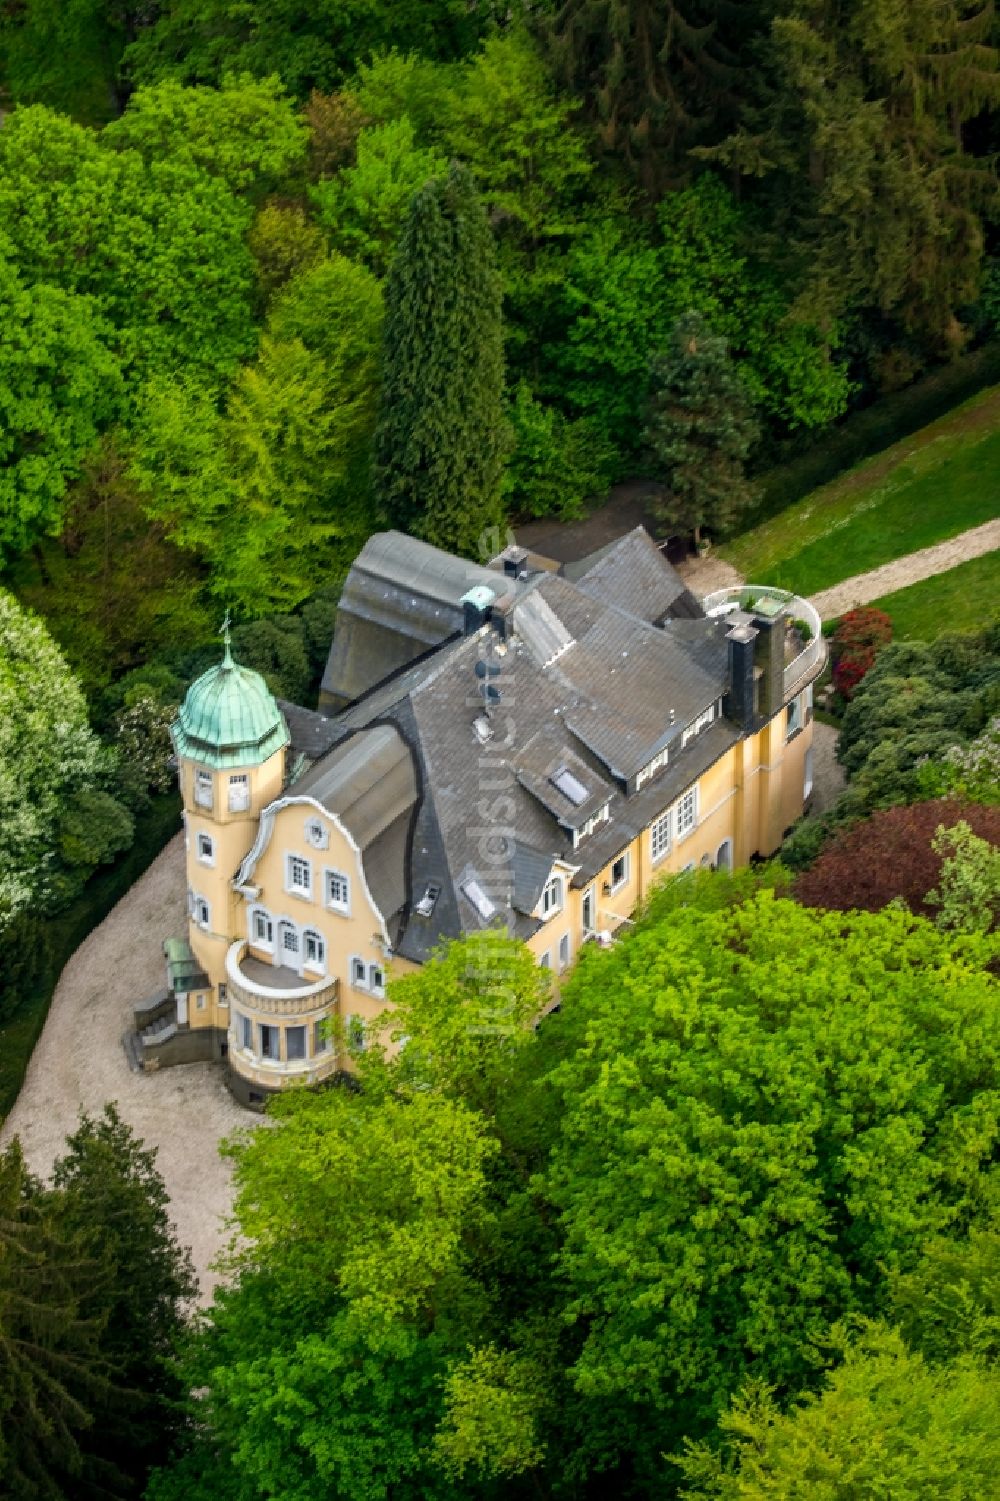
[274, 1000]
[748, 596]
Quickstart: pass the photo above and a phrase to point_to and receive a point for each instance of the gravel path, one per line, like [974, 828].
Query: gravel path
[79, 1062]
[828, 774]
[924, 564]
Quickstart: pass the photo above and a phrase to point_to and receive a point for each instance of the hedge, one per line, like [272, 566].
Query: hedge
[874, 428]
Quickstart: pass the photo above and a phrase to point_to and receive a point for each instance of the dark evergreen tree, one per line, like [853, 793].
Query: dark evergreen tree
[52, 1371]
[113, 1202]
[441, 435]
[700, 429]
[655, 77]
[857, 120]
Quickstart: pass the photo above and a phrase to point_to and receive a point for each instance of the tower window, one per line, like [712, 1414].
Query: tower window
[203, 789]
[206, 849]
[239, 792]
[200, 912]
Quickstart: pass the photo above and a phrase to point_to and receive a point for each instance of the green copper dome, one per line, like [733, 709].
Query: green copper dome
[229, 718]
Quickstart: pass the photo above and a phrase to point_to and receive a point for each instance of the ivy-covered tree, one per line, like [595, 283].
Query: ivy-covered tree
[700, 430]
[441, 435]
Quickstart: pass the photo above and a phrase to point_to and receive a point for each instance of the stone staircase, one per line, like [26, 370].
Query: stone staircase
[155, 1023]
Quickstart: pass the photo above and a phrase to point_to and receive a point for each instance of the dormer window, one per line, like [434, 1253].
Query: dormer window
[601, 816]
[707, 717]
[652, 767]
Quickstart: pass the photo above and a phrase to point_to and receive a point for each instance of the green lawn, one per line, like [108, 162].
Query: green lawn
[932, 485]
[963, 599]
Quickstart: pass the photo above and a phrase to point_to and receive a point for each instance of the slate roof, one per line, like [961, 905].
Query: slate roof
[597, 675]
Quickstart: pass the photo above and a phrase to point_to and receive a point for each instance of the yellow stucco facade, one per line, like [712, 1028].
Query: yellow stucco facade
[296, 951]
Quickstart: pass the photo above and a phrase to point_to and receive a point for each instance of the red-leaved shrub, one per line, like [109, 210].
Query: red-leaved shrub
[856, 642]
[889, 855]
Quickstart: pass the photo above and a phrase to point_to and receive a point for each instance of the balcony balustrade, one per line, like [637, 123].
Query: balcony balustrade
[273, 990]
[800, 666]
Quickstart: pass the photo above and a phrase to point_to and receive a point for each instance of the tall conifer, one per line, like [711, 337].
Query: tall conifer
[700, 429]
[441, 435]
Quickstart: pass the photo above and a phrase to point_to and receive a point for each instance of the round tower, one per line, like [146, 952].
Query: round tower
[229, 737]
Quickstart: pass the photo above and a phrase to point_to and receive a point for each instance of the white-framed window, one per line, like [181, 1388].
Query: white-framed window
[355, 1029]
[239, 792]
[206, 849]
[564, 951]
[337, 891]
[652, 767]
[201, 912]
[261, 928]
[314, 949]
[587, 911]
[289, 941]
[359, 973]
[376, 979]
[724, 855]
[705, 718]
[244, 1031]
[687, 813]
[793, 717]
[295, 1043]
[552, 896]
[619, 872]
[807, 774]
[223, 995]
[601, 816]
[661, 835]
[545, 962]
[203, 788]
[270, 1041]
[298, 875]
[321, 1037]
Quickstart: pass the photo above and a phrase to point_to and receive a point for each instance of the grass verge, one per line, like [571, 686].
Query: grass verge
[931, 486]
[965, 598]
[67, 931]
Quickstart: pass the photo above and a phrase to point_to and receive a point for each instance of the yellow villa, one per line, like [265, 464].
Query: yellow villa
[520, 743]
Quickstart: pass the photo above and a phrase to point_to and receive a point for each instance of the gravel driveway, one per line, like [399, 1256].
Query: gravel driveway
[79, 1062]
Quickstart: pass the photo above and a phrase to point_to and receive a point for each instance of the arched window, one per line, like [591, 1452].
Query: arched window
[724, 856]
[289, 944]
[552, 896]
[261, 928]
[314, 949]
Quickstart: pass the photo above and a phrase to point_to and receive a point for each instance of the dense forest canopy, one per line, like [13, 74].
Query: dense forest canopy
[204, 206]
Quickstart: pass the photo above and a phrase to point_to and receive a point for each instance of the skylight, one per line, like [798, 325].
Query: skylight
[477, 896]
[570, 786]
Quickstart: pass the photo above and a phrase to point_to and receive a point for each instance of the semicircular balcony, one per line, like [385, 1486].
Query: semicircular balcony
[272, 989]
[805, 645]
